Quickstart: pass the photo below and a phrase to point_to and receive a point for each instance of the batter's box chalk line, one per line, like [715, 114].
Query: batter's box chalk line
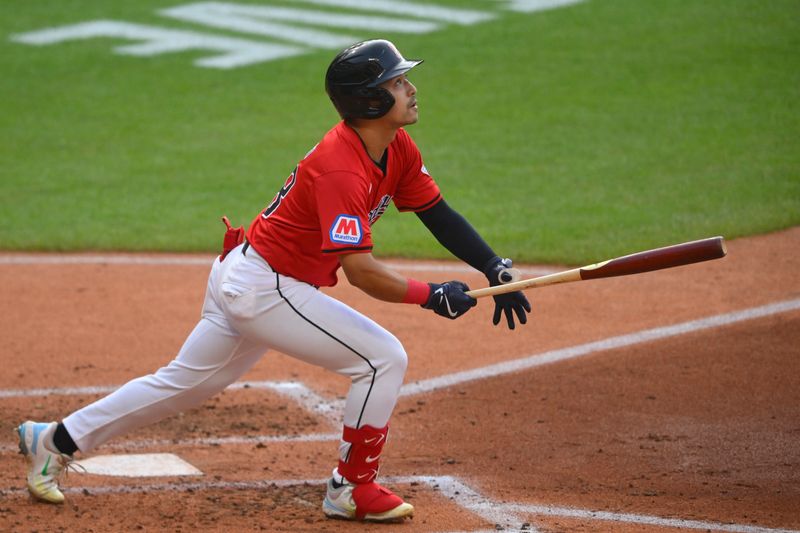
[331, 410]
[502, 516]
[505, 515]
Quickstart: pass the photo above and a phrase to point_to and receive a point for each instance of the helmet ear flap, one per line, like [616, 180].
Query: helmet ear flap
[375, 101]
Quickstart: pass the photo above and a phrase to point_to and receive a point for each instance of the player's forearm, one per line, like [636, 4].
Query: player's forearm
[389, 288]
[453, 232]
[372, 277]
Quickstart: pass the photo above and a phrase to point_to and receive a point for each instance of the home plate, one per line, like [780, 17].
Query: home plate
[138, 465]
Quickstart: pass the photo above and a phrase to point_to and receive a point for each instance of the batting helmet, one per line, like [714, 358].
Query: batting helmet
[353, 77]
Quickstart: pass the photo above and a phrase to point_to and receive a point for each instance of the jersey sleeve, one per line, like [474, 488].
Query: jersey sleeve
[416, 191]
[342, 200]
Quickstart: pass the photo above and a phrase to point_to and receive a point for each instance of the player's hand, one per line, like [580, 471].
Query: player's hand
[448, 299]
[498, 272]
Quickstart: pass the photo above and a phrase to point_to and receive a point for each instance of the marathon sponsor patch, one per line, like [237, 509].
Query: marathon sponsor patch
[346, 229]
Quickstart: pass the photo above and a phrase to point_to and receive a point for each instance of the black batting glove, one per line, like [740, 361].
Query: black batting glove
[510, 303]
[448, 299]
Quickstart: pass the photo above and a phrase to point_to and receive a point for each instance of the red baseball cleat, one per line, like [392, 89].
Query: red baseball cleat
[368, 501]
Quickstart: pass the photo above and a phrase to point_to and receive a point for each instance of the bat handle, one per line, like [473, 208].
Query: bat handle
[550, 279]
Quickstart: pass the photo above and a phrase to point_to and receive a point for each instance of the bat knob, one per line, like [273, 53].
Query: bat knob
[509, 274]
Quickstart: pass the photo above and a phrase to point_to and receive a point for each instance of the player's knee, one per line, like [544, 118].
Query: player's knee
[394, 358]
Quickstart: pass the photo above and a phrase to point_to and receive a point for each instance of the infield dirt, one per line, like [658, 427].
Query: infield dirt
[701, 426]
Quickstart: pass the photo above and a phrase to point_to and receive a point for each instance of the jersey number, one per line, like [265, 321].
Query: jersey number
[281, 195]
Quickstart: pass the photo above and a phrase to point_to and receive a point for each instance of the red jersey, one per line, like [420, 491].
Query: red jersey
[330, 201]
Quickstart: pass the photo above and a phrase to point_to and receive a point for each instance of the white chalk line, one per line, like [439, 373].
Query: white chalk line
[611, 343]
[122, 259]
[298, 392]
[622, 341]
[185, 260]
[293, 389]
[463, 495]
[308, 399]
[568, 512]
[317, 404]
[508, 516]
[332, 409]
[220, 441]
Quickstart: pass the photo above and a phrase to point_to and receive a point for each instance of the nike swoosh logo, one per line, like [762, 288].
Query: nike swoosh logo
[370, 459]
[370, 474]
[379, 438]
[46, 464]
[447, 303]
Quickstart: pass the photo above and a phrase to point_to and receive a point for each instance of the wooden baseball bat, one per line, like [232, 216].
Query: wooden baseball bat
[667, 257]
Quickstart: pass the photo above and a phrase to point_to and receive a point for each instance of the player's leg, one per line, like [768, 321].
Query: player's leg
[321, 330]
[318, 329]
[213, 356]
[210, 360]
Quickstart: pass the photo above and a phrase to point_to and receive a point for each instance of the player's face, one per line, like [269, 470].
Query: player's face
[404, 111]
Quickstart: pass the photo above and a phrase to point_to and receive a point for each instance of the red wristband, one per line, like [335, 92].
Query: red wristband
[417, 292]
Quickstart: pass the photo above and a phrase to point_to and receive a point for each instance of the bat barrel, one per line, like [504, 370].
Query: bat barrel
[667, 257]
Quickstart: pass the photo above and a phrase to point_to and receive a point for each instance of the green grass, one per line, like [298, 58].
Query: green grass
[566, 136]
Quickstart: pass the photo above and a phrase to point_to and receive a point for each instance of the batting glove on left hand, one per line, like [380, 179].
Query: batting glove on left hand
[498, 272]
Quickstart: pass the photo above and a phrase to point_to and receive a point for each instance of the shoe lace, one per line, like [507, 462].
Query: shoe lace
[68, 463]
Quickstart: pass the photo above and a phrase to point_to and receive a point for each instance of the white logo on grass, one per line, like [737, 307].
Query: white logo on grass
[293, 25]
[282, 24]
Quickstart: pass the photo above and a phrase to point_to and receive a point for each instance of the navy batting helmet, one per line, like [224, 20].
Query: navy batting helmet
[354, 75]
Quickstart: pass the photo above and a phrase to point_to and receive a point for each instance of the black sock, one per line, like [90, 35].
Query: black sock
[63, 441]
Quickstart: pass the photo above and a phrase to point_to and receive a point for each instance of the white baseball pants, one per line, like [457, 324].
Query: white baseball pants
[249, 309]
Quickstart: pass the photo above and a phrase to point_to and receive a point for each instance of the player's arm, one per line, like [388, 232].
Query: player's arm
[379, 281]
[453, 231]
[372, 277]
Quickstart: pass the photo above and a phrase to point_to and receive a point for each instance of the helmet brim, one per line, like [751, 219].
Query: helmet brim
[401, 68]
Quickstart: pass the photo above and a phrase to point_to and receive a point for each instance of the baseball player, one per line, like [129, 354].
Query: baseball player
[264, 293]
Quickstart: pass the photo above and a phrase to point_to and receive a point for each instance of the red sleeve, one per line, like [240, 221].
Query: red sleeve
[342, 200]
[416, 191]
